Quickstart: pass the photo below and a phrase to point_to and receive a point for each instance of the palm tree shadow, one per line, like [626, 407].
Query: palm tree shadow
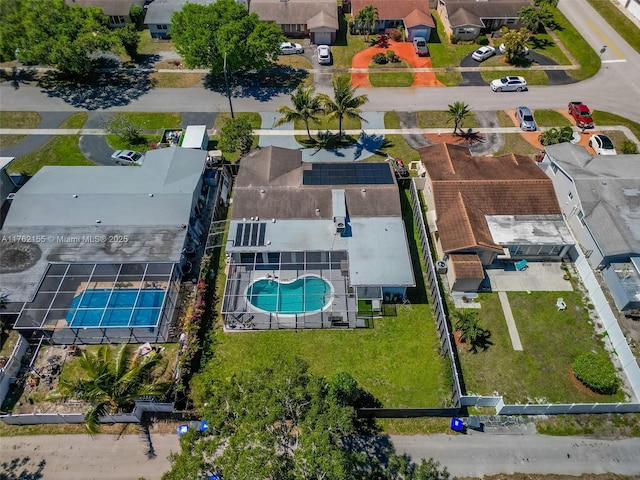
[22, 469]
[481, 342]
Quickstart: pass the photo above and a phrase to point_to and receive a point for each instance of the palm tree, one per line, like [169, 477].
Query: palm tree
[470, 330]
[367, 19]
[534, 18]
[306, 106]
[345, 103]
[112, 383]
[457, 112]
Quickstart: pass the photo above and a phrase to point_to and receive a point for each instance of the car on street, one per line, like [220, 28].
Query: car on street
[288, 48]
[602, 144]
[324, 55]
[525, 117]
[483, 53]
[509, 84]
[502, 48]
[127, 157]
[421, 47]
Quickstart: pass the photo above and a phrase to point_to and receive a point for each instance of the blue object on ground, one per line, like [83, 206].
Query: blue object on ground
[182, 429]
[204, 426]
[521, 265]
[457, 425]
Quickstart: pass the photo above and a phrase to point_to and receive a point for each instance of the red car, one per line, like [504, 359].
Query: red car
[581, 113]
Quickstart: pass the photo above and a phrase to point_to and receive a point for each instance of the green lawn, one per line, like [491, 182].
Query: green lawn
[77, 120]
[574, 42]
[59, 150]
[19, 119]
[440, 119]
[550, 118]
[149, 46]
[551, 341]
[10, 140]
[515, 143]
[504, 120]
[391, 79]
[326, 123]
[606, 118]
[619, 21]
[142, 145]
[155, 120]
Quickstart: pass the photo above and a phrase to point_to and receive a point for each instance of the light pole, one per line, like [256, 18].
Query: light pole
[226, 81]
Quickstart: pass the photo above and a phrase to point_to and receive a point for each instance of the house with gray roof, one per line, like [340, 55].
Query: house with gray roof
[159, 14]
[301, 18]
[466, 19]
[310, 243]
[96, 254]
[600, 200]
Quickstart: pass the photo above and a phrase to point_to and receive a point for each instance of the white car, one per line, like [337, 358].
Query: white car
[324, 55]
[127, 157]
[288, 48]
[502, 48]
[509, 84]
[602, 144]
[483, 53]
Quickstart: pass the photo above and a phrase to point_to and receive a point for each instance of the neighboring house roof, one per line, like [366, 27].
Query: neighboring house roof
[609, 191]
[466, 266]
[395, 9]
[322, 20]
[485, 9]
[293, 11]
[160, 11]
[417, 18]
[109, 7]
[466, 189]
[66, 209]
[463, 17]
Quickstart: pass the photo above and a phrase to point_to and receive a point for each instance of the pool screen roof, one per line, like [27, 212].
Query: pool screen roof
[83, 295]
[348, 174]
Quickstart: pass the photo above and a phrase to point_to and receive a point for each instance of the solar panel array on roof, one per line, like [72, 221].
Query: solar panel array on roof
[348, 174]
[250, 234]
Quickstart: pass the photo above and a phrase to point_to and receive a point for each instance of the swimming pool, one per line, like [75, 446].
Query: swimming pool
[306, 294]
[116, 308]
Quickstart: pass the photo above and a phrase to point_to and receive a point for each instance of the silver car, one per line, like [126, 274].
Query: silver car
[483, 53]
[127, 157]
[525, 117]
[509, 84]
[324, 55]
[288, 48]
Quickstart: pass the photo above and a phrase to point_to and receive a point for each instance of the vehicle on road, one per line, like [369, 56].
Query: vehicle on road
[288, 48]
[324, 55]
[502, 48]
[509, 84]
[421, 47]
[525, 117]
[581, 114]
[602, 144]
[481, 54]
[127, 157]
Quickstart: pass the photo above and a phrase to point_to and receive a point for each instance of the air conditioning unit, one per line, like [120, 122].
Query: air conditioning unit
[340, 224]
[441, 266]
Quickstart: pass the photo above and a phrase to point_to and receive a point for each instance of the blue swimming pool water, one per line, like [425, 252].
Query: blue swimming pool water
[122, 307]
[306, 294]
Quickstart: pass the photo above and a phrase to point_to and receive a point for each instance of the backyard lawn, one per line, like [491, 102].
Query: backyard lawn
[552, 340]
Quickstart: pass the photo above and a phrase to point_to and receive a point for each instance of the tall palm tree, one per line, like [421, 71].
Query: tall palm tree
[345, 102]
[306, 106]
[367, 19]
[112, 383]
[457, 112]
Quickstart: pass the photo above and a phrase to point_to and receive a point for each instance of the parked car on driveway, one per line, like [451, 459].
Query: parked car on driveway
[324, 55]
[288, 48]
[602, 144]
[502, 48]
[509, 84]
[525, 117]
[581, 114]
[483, 53]
[127, 157]
[421, 47]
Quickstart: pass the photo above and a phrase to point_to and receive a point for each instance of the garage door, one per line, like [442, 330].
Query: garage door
[323, 38]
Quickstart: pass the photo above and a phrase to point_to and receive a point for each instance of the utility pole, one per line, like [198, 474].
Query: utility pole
[226, 81]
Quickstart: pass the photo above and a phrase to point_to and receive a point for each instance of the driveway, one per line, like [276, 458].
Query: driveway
[33, 142]
[95, 147]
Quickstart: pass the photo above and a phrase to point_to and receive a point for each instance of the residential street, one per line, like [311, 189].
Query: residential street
[104, 457]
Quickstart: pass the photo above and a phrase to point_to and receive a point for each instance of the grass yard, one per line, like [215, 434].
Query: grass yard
[155, 120]
[619, 21]
[59, 150]
[552, 340]
[585, 55]
[397, 360]
[143, 145]
[515, 143]
[77, 120]
[391, 79]
[10, 140]
[550, 118]
[19, 119]
[150, 46]
[327, 123]
[175, 80]
[441, 119]
[606, 118]
[504, 120]
[396, 146]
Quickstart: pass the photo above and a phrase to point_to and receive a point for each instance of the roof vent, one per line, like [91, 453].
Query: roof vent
[98, 221]
[75, 195]
[273, 220]
[262, 190]
[363, 190]
[151, 194]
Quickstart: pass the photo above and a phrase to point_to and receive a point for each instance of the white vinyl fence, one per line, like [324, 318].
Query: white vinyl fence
[12, 367]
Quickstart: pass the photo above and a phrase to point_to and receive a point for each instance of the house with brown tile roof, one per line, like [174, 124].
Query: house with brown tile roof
[413, 16]
[118, 11]
[496, 208]
[299, 18]
[466, 19]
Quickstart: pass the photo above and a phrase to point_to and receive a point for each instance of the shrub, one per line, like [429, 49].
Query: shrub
[629, 146]
[395, 35]
[380, 58]
[597, 372]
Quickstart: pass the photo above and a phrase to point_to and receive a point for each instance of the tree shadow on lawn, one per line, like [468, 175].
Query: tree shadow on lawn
[104, 90]
[262, 85]
[20, 469]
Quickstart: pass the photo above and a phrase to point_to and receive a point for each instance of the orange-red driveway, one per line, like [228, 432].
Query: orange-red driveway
[406, 52]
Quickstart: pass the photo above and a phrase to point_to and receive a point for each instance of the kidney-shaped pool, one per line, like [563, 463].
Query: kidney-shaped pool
[306, 294]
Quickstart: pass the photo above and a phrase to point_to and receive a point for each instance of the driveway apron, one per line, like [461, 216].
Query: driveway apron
[95, 147]
[33, 142]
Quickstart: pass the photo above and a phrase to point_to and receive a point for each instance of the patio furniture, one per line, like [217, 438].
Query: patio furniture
[561, 305]
[521, 265]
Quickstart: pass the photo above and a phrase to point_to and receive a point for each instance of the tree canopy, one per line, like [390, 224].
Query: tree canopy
[367, 18]
[282, 422]
[306, 107]
[49, 32]
[515, 42]
[345, 102]
[457, 112]
[204, 34]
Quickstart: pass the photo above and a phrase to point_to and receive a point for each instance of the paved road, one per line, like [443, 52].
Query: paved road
[71, 457]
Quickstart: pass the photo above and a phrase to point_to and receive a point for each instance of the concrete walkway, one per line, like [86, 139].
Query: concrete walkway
[511, 323]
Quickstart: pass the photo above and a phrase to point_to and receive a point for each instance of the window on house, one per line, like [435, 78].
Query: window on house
[161, 27]
[588, 253]
[511, 21]
[581, 218]
[465, 30]
[515, 249]
[116, 19]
